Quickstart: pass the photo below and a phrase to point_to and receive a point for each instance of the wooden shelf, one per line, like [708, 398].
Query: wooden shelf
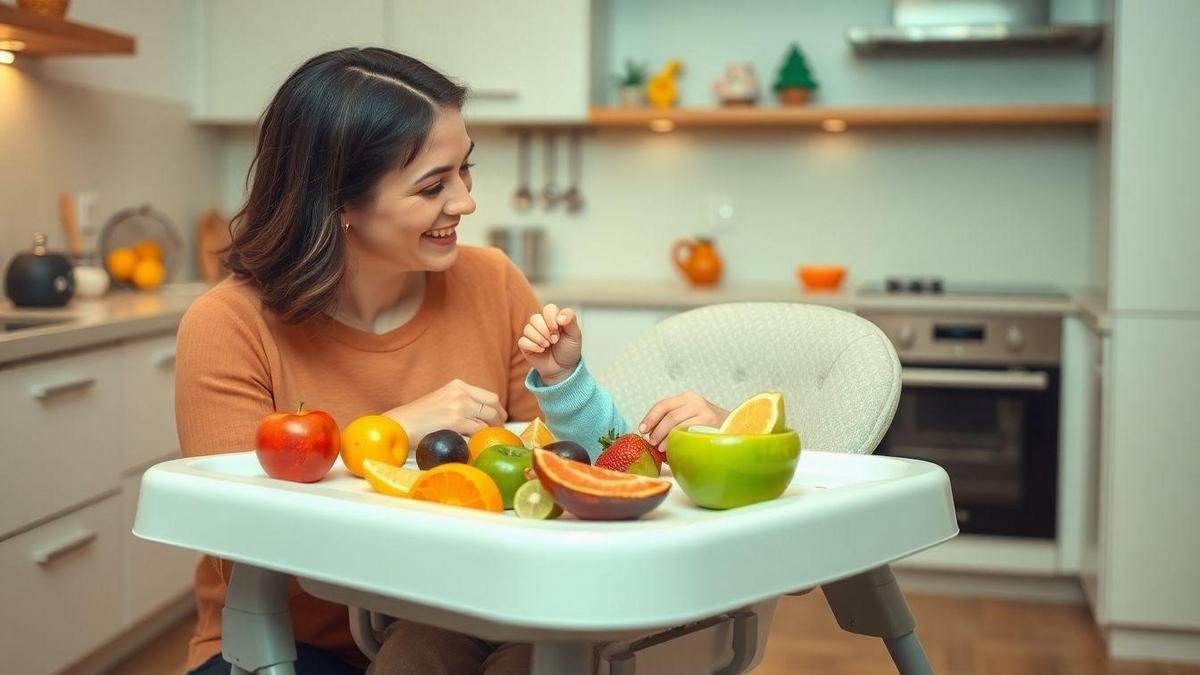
[47, 36]
[860, 116]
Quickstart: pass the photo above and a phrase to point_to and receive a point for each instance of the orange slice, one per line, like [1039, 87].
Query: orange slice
[458, 485]
[389, 480]
[759, 414]
[537, 434]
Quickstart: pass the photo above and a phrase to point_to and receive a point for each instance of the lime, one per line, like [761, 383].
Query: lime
[532, 501]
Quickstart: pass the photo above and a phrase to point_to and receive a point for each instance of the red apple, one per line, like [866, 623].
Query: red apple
[299, 447]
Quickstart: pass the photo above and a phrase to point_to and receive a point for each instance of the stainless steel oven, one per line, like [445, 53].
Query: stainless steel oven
[981, 399]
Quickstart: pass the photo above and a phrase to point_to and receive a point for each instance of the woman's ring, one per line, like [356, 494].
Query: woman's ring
[480, 413]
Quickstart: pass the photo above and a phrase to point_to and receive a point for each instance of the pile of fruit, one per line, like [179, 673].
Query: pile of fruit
[140, 265]
[751, 458]
[534, 474]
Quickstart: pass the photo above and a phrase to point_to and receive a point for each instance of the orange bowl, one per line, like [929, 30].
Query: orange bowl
[821, 277]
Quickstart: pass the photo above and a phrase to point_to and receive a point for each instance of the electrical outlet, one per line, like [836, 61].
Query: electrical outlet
[85, 212]
[721, 213]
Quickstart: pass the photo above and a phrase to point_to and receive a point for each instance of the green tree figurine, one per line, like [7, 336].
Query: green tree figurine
[795, 82]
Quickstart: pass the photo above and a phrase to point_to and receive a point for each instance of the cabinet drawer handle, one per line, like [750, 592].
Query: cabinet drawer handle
[164, 359]
[44, 392]
[76, 541]
[495, 94]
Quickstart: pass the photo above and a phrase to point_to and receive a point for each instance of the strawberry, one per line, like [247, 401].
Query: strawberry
[629, 453]
[659, 456]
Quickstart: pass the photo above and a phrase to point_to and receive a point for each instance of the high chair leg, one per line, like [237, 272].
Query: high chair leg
[256, 631]
[871, 604]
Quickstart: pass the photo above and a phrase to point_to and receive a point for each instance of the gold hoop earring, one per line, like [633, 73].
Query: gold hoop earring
[346, 227]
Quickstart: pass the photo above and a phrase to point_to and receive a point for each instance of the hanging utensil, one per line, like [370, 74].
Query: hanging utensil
[550, 193]
[523, 197]
[573, 198]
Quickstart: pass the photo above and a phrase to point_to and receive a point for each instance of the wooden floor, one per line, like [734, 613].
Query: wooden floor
[961, 636]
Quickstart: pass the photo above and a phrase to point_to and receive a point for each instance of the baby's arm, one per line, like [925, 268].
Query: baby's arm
[575, 406]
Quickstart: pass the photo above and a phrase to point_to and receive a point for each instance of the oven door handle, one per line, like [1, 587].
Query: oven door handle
[951, 378]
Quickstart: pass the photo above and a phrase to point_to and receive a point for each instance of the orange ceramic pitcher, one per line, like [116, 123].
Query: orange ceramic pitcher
[697, 261]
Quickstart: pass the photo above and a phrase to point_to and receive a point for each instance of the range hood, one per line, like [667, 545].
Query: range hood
[971, 26]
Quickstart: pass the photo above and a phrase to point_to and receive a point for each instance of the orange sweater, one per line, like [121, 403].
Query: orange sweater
[237, 363]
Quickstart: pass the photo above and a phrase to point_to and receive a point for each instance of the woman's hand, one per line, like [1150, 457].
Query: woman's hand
[686, 409]
[552, 343]
[456, 405]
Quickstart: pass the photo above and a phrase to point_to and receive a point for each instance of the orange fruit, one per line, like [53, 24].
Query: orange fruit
[537, 434]
[458, 485]
[120, 263]
[489, 436]
[389, 480]
[376, 437]
[759, 414]
[148, 250]
[148, 274]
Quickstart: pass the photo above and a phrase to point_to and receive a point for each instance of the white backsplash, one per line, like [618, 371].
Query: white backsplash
[1001, 205]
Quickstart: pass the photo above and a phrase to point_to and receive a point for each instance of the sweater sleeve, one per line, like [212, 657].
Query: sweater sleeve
[222, 381]
[577, 408]
[522, 303]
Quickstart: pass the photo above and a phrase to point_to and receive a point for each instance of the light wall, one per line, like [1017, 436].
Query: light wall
[166, 49]
[117, 127]
[998, 205]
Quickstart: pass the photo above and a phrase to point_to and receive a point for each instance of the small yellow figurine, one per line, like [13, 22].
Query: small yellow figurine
[661, 89]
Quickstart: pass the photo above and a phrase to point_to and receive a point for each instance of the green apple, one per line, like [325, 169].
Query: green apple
[722, 471]
[506, 464]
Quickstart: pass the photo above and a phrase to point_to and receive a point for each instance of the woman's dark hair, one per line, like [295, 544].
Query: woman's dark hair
[336, 126]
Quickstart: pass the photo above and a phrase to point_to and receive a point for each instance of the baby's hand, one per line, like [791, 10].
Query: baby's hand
[685, 410]
[551, 343]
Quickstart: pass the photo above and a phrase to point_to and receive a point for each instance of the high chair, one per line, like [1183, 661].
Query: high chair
[840, 377]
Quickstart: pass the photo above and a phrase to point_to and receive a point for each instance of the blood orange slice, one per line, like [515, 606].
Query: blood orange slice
[593, 493]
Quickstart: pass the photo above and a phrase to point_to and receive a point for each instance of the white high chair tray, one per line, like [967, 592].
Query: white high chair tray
[841, 515]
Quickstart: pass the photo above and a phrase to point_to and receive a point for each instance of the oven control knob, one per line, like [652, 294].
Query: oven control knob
[906, 337]
[1014, 338]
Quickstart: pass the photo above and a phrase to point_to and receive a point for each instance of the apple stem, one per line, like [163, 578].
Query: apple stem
[301, 408]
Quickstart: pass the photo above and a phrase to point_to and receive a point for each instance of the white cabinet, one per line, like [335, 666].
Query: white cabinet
[1150, 550]
[524, 60]
[608, 330]
[149, 370]
[1155, 207]
[74, 574]
[152, 574]
[62, 424]
[247, 49]
[61, 589]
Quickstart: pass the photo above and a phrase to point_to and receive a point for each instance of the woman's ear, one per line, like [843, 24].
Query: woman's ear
[347, 218]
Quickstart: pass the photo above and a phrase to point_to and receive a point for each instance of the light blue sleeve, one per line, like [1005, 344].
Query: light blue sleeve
[577, 409]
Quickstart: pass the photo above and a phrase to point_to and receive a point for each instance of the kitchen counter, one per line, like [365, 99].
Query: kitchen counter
[677, 295]
[1093, 309]
[86, 323]
[126, 314]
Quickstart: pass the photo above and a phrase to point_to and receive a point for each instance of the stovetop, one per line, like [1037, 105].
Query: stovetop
[938, 287]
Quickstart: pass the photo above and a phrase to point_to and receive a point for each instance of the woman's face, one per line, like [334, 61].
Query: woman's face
[413, 219]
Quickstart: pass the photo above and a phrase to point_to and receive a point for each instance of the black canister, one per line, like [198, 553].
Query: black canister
[39, 278]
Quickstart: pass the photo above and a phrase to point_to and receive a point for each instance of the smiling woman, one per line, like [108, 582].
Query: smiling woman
[351, 293]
